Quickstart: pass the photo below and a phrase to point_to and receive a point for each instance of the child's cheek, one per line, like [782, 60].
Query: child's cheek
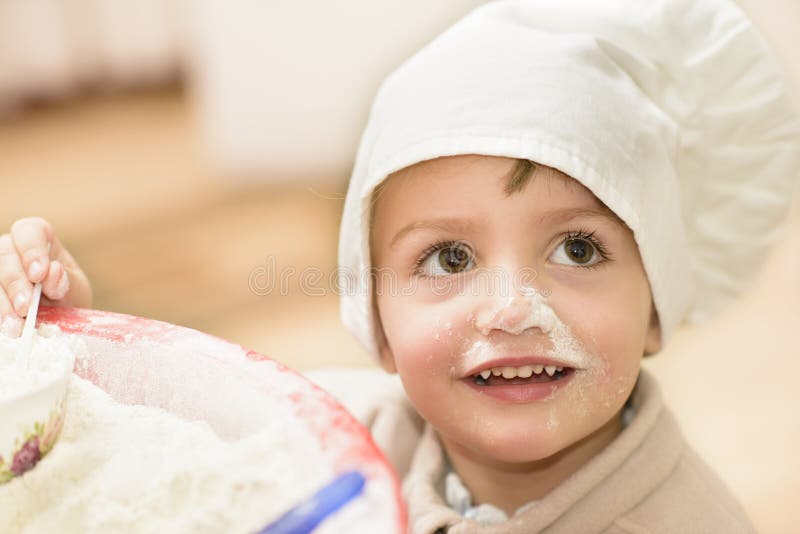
[421, 338]
[426, 344]
[609, 323]
[609, 329]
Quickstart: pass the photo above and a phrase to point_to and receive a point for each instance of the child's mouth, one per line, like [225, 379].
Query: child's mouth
[505, 376]
[520, 384]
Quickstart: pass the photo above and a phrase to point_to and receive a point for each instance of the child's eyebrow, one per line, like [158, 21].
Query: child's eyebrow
[456, 225]
[453, 225]
[567, 214]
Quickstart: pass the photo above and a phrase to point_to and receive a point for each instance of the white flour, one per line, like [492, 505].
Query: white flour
[120, 468]
[530, 310]
[49, 359]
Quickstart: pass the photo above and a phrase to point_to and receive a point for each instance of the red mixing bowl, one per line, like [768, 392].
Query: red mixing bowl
[200, 377]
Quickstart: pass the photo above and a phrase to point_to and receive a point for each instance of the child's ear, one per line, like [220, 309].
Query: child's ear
[386, 354]
[652, 342]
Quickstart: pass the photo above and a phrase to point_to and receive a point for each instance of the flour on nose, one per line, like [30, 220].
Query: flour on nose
[529, 310]
[518, 314]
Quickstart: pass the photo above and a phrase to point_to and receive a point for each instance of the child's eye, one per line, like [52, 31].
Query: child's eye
[580, 249]
[445, 258]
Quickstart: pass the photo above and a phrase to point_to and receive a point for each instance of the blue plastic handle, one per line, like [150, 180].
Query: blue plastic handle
[305, 517]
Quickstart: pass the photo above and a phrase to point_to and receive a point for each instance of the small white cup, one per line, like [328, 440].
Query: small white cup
[30, 424]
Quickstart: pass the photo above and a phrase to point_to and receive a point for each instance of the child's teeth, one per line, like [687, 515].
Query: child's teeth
[509, 372]
[524, 371]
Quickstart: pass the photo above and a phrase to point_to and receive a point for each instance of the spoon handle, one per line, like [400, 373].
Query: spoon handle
[23, 357]
[304, 517]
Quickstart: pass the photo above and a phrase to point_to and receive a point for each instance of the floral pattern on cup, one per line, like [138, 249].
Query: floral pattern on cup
[34, 445]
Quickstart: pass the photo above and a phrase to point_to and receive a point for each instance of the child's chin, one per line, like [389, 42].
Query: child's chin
[518, 449]
[522, 454]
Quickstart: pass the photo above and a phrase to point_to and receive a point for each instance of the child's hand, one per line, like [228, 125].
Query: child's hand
[24, 260]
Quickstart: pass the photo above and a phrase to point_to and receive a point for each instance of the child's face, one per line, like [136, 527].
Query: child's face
[567, 303]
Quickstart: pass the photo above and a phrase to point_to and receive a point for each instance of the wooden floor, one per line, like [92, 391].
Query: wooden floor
[123, 180]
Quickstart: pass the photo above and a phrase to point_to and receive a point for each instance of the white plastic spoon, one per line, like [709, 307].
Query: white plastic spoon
[26, 342]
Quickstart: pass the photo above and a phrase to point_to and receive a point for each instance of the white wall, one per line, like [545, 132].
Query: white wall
[283, 87]
[52, 49]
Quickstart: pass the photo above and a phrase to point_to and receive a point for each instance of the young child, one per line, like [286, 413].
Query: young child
[542, 194]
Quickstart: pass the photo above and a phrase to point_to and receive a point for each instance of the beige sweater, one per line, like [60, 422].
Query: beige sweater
[648, 480]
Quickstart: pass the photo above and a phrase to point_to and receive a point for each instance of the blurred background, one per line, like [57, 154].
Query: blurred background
[183, 148]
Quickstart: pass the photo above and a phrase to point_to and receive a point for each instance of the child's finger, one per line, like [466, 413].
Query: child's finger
[5, 304]
[10, 323]
[31, 237]
[56, 285]
[12, 278]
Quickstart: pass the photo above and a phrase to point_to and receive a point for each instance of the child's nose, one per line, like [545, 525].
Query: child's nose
[514, 315]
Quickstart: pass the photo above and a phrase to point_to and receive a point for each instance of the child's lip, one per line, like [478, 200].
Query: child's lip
[521, 393]
[518, 361]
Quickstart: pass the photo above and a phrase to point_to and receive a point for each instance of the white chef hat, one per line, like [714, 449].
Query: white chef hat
[672, 112]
